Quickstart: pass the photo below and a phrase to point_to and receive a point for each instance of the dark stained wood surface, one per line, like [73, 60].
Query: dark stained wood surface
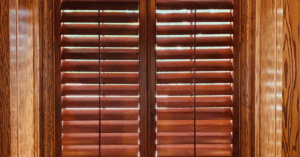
[5, 101]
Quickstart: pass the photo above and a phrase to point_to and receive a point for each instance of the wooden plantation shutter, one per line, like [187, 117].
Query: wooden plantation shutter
[183, 104]
[100, 78]
[195, 48]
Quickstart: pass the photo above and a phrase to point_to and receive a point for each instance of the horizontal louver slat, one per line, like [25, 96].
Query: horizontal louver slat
[84, 41]
[107, 126]
[133, 78]
[100, 5]
[92, 29]
[106, 102]
[106, 151]
[112, 17]
[132, 66]
[162, 114]
[194, 4]
[106, 54]
[202, 150]
[106, 139]
[118, 90]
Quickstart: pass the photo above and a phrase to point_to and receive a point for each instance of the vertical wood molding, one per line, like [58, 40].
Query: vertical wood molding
[47, 76]
[22, 51]
[246, 65]
[13, 7]
[291, 78]
[5, 122]
[261, 58]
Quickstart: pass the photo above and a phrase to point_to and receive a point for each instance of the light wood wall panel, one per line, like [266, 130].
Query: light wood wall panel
[27, 78]
[261, 85]
[291, 79]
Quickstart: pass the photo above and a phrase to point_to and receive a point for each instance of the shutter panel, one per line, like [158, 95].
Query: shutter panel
[194, 78]
[100, 78]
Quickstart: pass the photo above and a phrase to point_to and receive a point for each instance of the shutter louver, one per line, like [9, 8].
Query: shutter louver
[194, 78]
[100, 78]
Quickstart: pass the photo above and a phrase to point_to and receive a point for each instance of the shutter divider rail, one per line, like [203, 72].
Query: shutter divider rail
[195, 26]
[99, 34]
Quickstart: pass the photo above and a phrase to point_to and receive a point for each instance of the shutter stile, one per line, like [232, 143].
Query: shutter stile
[194, 78]
[100, 78]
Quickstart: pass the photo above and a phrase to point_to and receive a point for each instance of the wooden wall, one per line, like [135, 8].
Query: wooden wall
[291, 78]
[27, 78]
[270, 69]
[24, 80]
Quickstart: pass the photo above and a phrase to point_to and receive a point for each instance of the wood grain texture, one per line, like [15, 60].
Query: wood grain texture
[25, 79]
[25, 65]
[260, 114]
[143, 79]
[57, 83]
[247, 70]
[47, 76]
[13, 5]
[151, 26]
[237, 80]
[291, 78]
[5, 121]
[278, 90]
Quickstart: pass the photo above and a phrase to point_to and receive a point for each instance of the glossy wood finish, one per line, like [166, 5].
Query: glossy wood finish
[251, 23]
[151, 29]
[261, 105]
[5, 97]
[47, 75]
[24, 80]
[143, 79]
[291, 79]
[13, 76]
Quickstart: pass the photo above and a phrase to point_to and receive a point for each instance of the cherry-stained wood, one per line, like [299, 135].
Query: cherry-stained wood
[291, 79]
[47, 75]
[5, 97]
[247, 70]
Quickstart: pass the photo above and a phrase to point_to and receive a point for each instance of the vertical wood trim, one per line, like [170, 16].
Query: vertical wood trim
[261, 45]
[152, 77]
[5, 100]
[37, 78]
[13, 6]
[25, 79]
[256, 61]
[246, 74]
[143, 77]
[278, 90]
[47, 78]
[57, 51]
[236, 75]
[291, 79]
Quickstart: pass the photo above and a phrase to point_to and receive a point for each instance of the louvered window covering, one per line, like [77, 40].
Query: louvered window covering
[100, 78]
[194, 78]
[108, 108]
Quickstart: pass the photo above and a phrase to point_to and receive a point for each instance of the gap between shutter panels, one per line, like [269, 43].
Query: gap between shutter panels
[183, 73]
[119, 113]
